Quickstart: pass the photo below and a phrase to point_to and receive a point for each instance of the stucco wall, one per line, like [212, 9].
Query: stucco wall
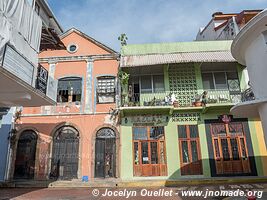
[86, 117]
[171, 136]
[172, 148]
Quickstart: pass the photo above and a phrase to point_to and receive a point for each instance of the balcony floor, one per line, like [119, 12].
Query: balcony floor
[248, 108]
[15, 92]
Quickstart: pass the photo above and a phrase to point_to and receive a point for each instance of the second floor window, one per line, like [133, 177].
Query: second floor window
[148, 83]
[69, 89]
[106, 89]
[221, 80]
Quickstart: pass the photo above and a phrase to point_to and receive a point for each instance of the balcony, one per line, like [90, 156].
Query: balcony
[223, 97]
[20, 33]
[164, 100]
[21, 84]
[250, 105]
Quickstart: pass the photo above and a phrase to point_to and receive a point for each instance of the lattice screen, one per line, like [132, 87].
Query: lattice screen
[183, 83]
[185, 117]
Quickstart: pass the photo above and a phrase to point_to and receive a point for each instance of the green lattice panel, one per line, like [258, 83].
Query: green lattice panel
[185, 117]
[183, 83]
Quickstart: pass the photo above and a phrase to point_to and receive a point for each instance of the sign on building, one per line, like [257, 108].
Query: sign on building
[41, 81]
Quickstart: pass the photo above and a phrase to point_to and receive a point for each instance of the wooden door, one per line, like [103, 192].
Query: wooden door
[190, 156]
[149, 151]
[230, 149]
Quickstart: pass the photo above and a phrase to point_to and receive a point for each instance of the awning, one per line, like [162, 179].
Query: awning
[156, 59]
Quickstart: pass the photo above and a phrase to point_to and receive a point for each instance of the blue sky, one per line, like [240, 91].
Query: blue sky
[144, 21]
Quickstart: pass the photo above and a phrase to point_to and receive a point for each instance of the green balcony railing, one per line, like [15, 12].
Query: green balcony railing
[223, 96]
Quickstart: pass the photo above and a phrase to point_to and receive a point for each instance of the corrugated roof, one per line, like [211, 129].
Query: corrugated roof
[177, 47]
[156, 59]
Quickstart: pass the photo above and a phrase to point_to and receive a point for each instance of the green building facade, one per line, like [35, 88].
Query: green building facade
[175, 113]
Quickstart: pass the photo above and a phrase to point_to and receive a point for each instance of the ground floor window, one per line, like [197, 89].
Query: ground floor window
[190, 157]
[149, 151]
[230, 148]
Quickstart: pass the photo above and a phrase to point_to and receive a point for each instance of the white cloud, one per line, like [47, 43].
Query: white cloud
[145, 21]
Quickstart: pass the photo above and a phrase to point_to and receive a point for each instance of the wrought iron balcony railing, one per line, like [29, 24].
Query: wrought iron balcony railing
[165, 99]
[248, 95]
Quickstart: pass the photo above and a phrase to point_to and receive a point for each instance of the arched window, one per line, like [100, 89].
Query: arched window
[106, 133]
[69, 89]
[106, 89]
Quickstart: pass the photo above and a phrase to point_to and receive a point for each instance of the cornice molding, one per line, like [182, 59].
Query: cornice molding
[79, 58]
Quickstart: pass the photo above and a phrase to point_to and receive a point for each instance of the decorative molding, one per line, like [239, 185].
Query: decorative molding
[186, 117]
[52, 69]
[79, 58]
[183, 83]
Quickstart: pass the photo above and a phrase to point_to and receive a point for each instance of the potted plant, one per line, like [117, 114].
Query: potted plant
[131, 104]
[197, 101]
[175, 104]
[124, 78]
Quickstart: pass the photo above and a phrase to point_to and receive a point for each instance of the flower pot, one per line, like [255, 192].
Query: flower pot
[198, 103]
[175, 104]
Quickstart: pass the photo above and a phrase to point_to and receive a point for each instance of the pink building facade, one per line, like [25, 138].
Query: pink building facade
[78, 138]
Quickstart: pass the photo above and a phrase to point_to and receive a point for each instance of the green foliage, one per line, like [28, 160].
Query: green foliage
[123, 39]
[124, 77]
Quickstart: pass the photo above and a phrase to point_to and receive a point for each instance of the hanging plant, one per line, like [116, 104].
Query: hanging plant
[124, 77]
[17, 115]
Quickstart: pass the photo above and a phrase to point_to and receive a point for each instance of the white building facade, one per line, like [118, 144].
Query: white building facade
[249, 48]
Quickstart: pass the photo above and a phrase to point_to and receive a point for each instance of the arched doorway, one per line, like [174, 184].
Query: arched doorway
[105, 153]
[25, 156]
[65, 154]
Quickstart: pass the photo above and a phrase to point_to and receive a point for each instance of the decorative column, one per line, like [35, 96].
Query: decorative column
[89, 86]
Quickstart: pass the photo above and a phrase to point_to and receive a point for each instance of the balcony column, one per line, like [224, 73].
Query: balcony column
[198, 75]
[246, 78]
[89, 81]
[166, 77]
[243, 76]
[52, 68]
[51, 79]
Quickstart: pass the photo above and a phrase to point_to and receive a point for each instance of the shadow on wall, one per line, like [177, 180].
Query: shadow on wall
[63, 137]
[4, 142]
[245, 167]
